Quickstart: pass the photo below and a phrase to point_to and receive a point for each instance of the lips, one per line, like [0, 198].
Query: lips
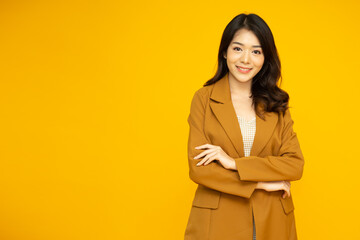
[244, 68]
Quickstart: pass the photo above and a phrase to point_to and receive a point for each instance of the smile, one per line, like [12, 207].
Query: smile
[243, 70]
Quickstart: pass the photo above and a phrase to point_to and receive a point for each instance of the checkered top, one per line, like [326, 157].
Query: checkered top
[248, 129]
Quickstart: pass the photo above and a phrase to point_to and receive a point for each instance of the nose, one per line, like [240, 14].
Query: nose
[245, 56]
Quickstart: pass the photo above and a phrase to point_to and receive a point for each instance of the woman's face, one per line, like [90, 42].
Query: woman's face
[244, 56]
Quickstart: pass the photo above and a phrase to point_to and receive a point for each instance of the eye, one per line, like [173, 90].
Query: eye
[257, 52]
[236, 48]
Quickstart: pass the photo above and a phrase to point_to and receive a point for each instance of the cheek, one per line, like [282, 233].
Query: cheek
[232, 58]
[259, 62]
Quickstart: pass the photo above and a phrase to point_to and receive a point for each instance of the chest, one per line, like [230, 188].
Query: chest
[244, 108]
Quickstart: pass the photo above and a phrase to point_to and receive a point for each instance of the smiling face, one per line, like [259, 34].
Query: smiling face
[244, 56]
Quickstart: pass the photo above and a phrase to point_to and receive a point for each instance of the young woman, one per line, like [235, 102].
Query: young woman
[242, 150]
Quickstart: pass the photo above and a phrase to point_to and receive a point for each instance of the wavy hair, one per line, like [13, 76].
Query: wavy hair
[266, 95]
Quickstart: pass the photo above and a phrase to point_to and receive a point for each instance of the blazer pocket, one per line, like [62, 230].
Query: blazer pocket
[206, 197]
[287, 204]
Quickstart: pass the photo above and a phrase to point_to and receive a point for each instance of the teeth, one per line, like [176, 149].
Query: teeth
[245, 69]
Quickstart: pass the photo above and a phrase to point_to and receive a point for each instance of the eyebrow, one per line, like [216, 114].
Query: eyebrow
[255, 46]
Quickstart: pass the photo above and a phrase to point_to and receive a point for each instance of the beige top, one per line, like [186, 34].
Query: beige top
[248, 129]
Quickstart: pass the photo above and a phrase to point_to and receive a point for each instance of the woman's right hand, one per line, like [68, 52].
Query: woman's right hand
[275, 186]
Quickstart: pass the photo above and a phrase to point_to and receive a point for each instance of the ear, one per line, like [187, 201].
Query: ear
[224, 55]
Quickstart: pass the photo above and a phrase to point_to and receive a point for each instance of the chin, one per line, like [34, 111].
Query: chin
[243, 80]
[241, 77]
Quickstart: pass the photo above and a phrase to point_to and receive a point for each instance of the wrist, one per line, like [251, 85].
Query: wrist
[233, 165]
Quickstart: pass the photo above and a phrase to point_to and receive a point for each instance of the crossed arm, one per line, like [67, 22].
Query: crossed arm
[249, 171]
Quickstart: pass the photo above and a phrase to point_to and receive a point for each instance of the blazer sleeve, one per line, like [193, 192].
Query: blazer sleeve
[288, 166]
[213, 175]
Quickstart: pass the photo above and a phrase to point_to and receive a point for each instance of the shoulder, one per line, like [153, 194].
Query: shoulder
[285, 118]
[200, 100]
[203, 93]
[287, 115]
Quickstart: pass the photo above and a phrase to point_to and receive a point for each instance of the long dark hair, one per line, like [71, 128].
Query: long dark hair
[265, 93]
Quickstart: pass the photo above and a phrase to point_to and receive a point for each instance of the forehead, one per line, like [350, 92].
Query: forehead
[246, 37]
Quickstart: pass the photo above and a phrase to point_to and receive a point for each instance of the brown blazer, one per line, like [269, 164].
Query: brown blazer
[226, 199]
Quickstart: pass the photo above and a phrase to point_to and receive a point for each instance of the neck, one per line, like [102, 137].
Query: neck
[239, 89]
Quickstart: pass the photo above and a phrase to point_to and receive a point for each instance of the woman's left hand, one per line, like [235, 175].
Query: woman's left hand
[215, 153]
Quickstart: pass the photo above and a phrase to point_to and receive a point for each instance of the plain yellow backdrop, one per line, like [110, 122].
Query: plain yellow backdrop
[94, 100]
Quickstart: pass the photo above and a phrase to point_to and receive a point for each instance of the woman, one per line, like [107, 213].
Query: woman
[242, 149]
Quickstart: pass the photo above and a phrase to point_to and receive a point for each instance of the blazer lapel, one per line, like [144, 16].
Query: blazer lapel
[223, 108]
[264, 130]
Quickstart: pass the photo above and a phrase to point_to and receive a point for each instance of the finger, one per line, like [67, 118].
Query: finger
[210, 158]
[203, 153]
[286, 195]
[204, 146]
[286, 184]
[286, 188]
[203, 160]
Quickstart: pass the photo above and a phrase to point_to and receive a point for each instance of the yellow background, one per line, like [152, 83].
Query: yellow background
[94, 100]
